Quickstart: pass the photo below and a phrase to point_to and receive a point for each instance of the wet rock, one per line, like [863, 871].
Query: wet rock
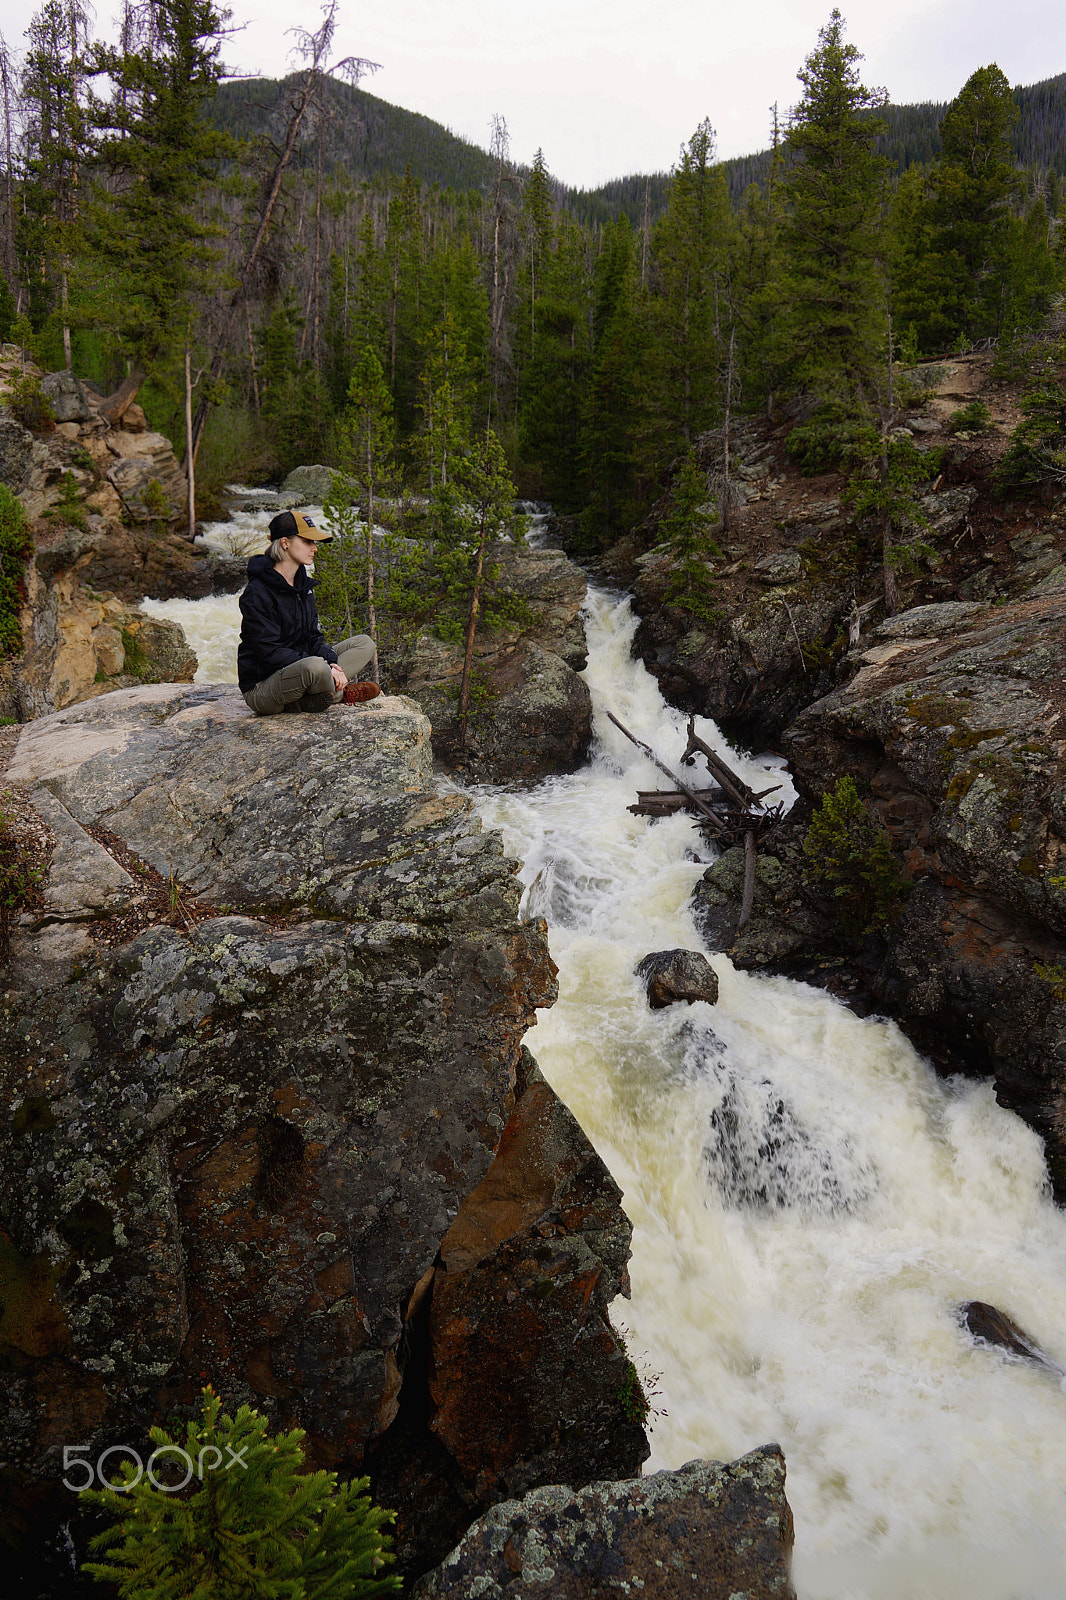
[16, 452]
[753, 661]
[531, 714]
[715, 1530]
[519, 1309]
[991, 1326]
[670, 976]
[79, 643]
[146, 559]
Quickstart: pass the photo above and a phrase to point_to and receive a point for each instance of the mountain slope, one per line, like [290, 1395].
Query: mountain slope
[371, 140]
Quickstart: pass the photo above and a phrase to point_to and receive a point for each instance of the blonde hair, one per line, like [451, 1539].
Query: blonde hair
[275, 549]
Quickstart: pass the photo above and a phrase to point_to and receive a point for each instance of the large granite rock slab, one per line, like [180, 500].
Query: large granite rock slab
[714, 1530]
[256, 1051]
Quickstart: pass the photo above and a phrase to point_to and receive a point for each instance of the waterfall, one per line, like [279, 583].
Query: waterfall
[810, 1203]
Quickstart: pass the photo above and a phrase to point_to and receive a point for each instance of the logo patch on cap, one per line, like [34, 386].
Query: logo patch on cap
[306, 529]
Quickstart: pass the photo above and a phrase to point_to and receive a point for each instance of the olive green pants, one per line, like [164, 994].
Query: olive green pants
[310, 675]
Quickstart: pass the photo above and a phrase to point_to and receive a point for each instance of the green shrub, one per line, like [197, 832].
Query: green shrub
[69, 507]
[21, 872]
[249, 1524]
[30, 404]
[825, 439]
[970, 418]
[16, 548]
[849, 855]
[1037, 449]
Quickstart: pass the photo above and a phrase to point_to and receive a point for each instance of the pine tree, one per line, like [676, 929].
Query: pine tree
[757, 275]
[689, 306]
[488, 499]
[834, 194]
[610, 419]
[149, 246]
[248, 1524]
[969, 263]
[366, 460]
[555, 378]
[46, 233]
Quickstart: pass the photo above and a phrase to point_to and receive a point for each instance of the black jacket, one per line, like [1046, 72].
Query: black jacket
[280, 623]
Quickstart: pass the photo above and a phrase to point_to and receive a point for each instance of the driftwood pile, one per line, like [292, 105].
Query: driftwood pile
[728, 812]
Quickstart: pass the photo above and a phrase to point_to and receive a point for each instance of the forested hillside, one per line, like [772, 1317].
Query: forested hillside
[365, 136]
[362, 288]
[370, 139]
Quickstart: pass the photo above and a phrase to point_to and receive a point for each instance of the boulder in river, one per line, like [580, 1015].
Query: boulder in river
[308, 486]
[670, 976]
[712, 1530]
[992, 1326]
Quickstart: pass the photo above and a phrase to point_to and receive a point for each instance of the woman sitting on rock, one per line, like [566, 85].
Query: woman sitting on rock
[284, 662]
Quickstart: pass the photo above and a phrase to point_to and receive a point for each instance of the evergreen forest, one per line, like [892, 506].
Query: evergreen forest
[284, 272]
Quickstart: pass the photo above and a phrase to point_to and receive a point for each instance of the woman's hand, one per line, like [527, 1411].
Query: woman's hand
[338, 675]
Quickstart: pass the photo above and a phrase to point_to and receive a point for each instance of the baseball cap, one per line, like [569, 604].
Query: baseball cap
[296, 524]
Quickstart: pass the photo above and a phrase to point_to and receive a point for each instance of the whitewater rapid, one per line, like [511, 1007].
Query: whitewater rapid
[810, 1203]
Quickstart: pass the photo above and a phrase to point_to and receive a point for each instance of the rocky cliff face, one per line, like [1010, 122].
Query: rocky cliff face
[268, 1122]
[763, 628]
[952, 722]
[102, 505]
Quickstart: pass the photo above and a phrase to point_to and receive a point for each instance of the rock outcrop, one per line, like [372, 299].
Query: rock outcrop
[713, 1530]
[531, 713]
[268, 1121]
[79, 643]
[101, 504]
[951, 721]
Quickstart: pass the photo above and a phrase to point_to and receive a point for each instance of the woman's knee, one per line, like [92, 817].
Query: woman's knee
[316, 676]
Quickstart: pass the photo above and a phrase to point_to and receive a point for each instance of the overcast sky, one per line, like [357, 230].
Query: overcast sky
[608, 87]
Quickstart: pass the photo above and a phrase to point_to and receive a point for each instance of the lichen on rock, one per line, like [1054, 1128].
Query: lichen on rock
[236, 1138]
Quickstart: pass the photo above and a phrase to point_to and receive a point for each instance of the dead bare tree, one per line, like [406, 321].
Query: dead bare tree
[505, 189]
[314, 49]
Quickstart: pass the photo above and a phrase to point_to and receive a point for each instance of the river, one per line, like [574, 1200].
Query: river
[810, 1202]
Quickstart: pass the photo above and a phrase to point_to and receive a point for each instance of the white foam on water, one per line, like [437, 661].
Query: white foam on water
[810, 1205]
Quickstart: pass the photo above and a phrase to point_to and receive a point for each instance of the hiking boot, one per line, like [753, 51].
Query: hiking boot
[356, 693]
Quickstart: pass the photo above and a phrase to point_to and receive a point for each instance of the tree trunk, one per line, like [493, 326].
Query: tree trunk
[116, 405]
[64, 295]
[251, 360]
[468, 654]
[371, 614]
[304, 100]
[190, 458]
[891, 591]
[723, 510]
